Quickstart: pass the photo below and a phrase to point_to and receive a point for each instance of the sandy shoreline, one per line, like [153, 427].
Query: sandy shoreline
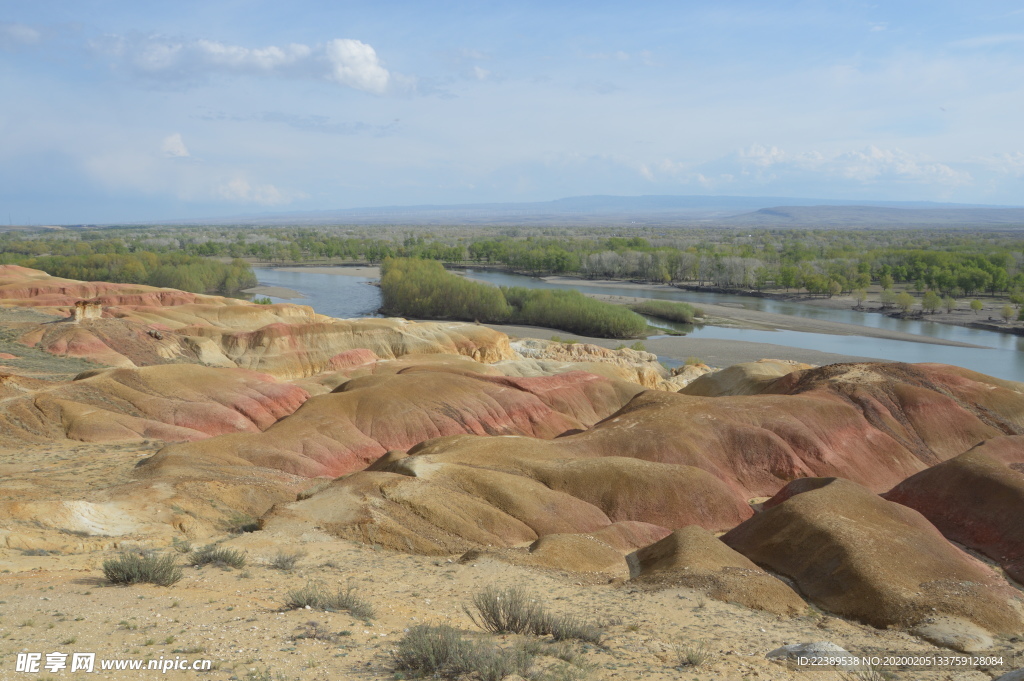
[274, 292]
[712, 351]
[717, 352]
[354, 271]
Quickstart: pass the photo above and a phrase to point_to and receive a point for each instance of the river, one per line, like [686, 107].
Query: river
[1003, 354]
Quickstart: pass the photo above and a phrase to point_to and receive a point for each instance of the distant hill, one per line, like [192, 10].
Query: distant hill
[871, 216]
[665, 211]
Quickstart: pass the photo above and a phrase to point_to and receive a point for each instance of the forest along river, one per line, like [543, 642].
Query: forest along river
[1003, 354]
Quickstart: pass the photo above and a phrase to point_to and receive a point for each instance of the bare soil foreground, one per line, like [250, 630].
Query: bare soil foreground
[272, 494]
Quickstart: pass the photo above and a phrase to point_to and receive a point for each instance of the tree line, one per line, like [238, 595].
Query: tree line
[419, 288]
[168, 269]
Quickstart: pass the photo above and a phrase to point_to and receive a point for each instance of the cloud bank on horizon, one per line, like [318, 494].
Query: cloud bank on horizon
[118, 112]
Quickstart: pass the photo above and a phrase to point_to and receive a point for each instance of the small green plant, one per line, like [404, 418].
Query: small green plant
[286, 561]
[638, 346]
[181, 545]
[441, 651]
[37, 552]
[264, 675]
[692, 361]
[190, 650]
[694, 655]
[69, 641]
[315, 631]
[570, 627]
[218, 556]
[507, 611]
[239, 523]
[512, 610]
[127, 626]
[262, 301]
[142, 567]
[317, 597]
[169, 640]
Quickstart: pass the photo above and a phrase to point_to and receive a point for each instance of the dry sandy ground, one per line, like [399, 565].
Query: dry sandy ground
[236, 618]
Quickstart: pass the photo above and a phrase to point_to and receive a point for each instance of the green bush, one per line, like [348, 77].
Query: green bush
[514, 611]
[218, 556]
[507, 611]
[665, 309]
[286, 561]
[317, 597]
[442, 652]
[570, 310]
[422, 288]
[142, 567]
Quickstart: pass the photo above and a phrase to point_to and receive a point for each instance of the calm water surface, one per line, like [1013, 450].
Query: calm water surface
[345, 297]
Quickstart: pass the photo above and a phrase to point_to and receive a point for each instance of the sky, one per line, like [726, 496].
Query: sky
[118, 111]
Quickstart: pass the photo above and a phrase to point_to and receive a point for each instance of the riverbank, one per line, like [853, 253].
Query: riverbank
[274, 292]
[741, 318]
[987, 318]
[368, 271]
[717, 315]
[678, 349]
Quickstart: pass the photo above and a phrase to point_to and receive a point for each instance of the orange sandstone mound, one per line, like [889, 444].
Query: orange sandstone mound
[160, 402]
[860, 556]
[976, 499]
[365, 417]
[695, 558]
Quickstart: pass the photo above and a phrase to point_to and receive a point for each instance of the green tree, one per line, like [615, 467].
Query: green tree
[931, 302]
[950, 303]
[860, 295]
[976, 305]
[1007, 312]
[905, 301]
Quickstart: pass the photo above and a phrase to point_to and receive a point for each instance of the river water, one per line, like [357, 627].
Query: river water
[1003, 355]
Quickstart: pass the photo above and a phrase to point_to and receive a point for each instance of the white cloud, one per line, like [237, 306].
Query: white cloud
[239, 189]
[990, 40]
[173, 146]
[480, 74]
[17, 35]
[770, 165]
[352, 63]
[867, 165]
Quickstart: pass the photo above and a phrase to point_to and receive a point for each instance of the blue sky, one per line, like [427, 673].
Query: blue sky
[119, 111]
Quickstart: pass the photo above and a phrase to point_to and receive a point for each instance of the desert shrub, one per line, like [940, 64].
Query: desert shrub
[286, 560]
[442, 652]
[317, 597]
[571, 627]
[693, 361]
[181, 545]
[694, 655]
[143, 567]
[507, 611]
[218, 556]
[514, 611]
[669, 310]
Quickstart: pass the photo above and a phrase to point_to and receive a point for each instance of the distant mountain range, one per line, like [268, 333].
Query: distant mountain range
[667, 211]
